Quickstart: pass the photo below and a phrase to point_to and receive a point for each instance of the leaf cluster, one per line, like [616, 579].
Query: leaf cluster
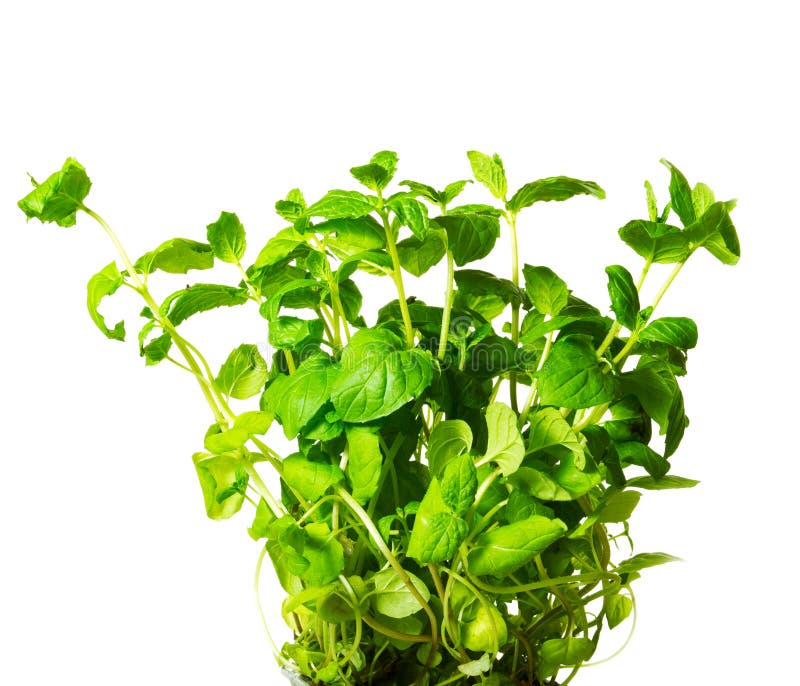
[463, 469]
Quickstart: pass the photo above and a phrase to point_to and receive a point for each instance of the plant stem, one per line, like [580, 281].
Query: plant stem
[526, 408]
[397, 275]
[448, 306]
[511, 218]
[277, 653]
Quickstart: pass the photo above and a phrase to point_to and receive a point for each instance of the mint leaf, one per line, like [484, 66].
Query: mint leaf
[678, 331]
[393, 598]
[60, 197]
[447, 441]
[572, 376]
[243, 374]
[201, 297]
[105, 282]
[223, 481]
[310, 479]
[459, 484]
[489, 171]
[548, 293]
[364, 461]
[470, 236]
[715, 232]
[624, 295]
[552, 188]
[657, 242]
[410, 212]
[176, 256]
[417, 255]
[342, 205]
[379, 172]
[680, 194]
[505, 446]
[226, 237]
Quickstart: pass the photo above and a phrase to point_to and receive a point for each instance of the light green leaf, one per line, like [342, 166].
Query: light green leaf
[243, 374]
[379, 172]
[540, 485]
[680, 194]
[702, 199]
[477, 667]
[310, 479]
[105, 282]
[201, 297]
[548, 428]
[469, 236]
[393, 597]
[253, 422]
[666, 482]
[411, 213]
[324, 553]
[643, 561]
[223, 481]
[566, 651]
[652, 205]
[377, 376]
[418, 256]
[448, 440]
[618, 609]
[295, 399]
[661, 243]
[548, 293]
[486, 633]
[437, 532]
[624, 295]
[489, 171]
[176, 256]
[226, 237]
[218, 442]
[618, 507]
[504, 446]
[453, 190]
[553, 188]
[291, 332]
[293, 207]
[364, 461]
[632, 452]
[459, 484]
[342, 204]
[261, 522]
[503, 550]
[421, 189]
[60, 196]
[716, 233]
[279, 247]
[572, 377]
[678, 331]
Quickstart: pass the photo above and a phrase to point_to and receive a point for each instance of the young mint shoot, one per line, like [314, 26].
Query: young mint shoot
[466, 467]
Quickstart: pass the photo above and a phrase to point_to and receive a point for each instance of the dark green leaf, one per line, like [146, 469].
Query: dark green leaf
[342, 204]
[680, 332]
[156, 350]
[176, 256]
[377, 376]
[201, 297]
[418, 256]
[459, 484]
[631, 452]
[716, 233]
[60, 197]
[223, 481]
[657, 242]
[504, 443]
[393, 597]
[295, 399]
[352, 236]
[680, 194]
[572, 377]
[105, 282]
[310, 479]
[481, 283]
[624, 295]
[618, 507]
[489, 171]
[364, 461]
[447, 441]
[244, 373]
[547, 291]
[226, 237]
[470, 236]
[411, 213]
[502, 551]
[553, 188]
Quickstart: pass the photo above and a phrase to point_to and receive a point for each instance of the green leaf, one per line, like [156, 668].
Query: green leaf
[619, 506]
[453, 190]
[353, 236]
[643, 561]
[618, 609]
[424, 190]
[624, 295]
[377, 376]
[489, 171]
[540, 485]
[226, 237]
[661, 243]
[364, 462]
[244, 373]
[324, 553]
[548, 428]
[417, 256]
[477, 667]
[176, 256]
[201, 297]
[272, 306]
[566, 651]
[437, 532]
[680, 194]
[379, 172]
[504, 550]
[486, 633]
[295, 399]
[702, 199]
[523, 506]
[459, 484]
[553, 188]
[342, 205]
[60, 197]
[279, 247]
[632, 452]
[572, 377]
[652, 205]
[156, 350]
[678, 331]
[105, 282]
[664, 483]
[447, 441]
[218, 442]
[293, 207]
[476, 282]
[261, 522]
[223, 481]
[393, 597]
[470, 236]
[291, 332]
[310, 479]
[411, 213]
[655, 387]
[547, 291]
[716, 233]
[504, 446]
[253, 422]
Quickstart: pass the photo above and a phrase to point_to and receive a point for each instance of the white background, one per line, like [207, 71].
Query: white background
[109, 571]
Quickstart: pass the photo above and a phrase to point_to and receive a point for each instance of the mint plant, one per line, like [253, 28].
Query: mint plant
[465, 470]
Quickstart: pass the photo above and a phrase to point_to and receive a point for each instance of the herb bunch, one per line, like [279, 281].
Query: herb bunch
[463, 468]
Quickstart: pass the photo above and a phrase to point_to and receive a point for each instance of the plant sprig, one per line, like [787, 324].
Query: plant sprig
[425, 531]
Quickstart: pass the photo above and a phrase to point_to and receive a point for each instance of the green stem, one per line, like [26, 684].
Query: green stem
[526, 408]
[165, 323]
[616, 326]
[448, 306]
[397, 275]
[511, 218]
[256, 583]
